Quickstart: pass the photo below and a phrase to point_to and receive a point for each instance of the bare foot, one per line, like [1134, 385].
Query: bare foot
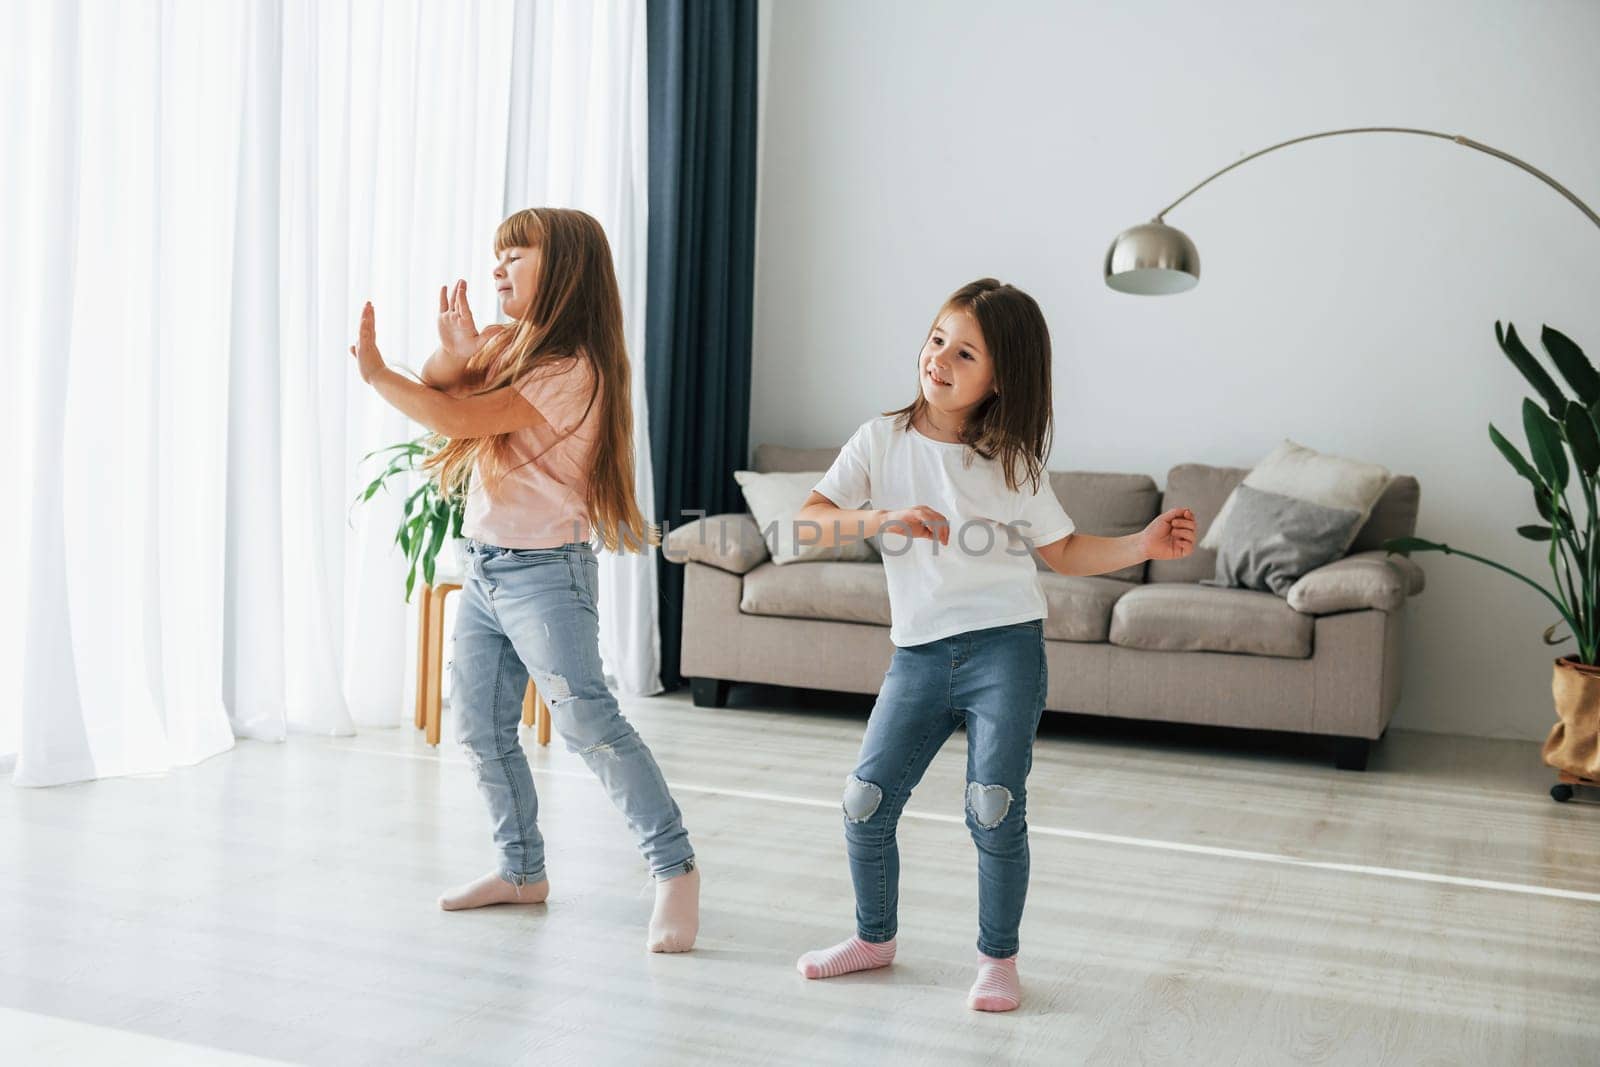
[676, 919]
[493, 889]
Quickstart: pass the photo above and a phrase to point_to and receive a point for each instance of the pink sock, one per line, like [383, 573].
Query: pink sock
[845, 957]
[997, 987]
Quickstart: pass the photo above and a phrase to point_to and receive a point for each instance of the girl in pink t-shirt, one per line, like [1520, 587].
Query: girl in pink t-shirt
[539, 424]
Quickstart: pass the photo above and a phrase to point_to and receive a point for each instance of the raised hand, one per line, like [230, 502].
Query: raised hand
[920, 521]
[1170, 535]
[457, 332]
[369, 361]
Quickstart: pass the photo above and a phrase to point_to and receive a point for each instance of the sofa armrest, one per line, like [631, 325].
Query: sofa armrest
[732, 543]
[1364, 580]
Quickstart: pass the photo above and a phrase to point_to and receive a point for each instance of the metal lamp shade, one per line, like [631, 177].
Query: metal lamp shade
[1152, 259]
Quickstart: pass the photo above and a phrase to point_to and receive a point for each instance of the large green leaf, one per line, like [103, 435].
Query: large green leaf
[1535, 533]
[418, 528]
[1545, 444]
[439, 521]
[1537, 377]
[1573, 364]
[1404, 546]
[1580, 431]
[1514, 457]
[425, 514]
[1542, 501]
[404, 450]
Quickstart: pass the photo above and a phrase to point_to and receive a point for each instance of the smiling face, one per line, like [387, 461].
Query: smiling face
[956, 369]
[516, 278]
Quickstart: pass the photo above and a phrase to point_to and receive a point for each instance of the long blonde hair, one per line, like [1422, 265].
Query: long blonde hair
[575, 313]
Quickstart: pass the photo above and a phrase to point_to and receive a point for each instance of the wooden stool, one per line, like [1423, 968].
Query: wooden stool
[430, 670]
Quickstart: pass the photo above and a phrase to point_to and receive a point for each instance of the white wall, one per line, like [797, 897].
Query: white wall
[1350, 286]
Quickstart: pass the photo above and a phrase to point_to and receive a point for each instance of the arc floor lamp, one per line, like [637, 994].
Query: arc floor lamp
[1154, 259]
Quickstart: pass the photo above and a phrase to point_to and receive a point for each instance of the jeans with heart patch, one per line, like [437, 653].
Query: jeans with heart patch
[993, 681]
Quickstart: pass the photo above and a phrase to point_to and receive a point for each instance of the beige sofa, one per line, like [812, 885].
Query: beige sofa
[1148, 643]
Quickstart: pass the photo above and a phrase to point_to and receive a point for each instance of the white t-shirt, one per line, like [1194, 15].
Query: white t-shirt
[985, 576]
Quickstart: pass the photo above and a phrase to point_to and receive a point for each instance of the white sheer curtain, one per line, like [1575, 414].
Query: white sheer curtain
[127, 209]
[579, 122]
[196, 200]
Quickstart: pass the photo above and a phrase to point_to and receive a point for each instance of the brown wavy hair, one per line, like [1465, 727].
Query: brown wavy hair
[1015, 423]
[575, 313]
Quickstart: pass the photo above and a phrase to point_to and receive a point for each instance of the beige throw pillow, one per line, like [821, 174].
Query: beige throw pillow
[1305, 474]
[774, 499]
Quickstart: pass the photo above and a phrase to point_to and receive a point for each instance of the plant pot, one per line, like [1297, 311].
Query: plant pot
[1574, 742]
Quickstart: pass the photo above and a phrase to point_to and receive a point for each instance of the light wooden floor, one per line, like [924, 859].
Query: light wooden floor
[1191, 904]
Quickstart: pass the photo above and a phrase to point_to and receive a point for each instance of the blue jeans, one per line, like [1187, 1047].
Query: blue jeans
[532, 611]
[994, 680]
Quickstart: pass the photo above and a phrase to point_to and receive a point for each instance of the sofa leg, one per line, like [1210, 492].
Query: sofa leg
[1350, 753]
[709, 692]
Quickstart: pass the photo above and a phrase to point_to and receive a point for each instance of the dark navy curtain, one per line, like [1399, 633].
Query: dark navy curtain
[702, 71]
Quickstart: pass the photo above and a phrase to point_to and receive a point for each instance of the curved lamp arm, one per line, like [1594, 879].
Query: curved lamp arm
[1457, 138]
[1154, 258]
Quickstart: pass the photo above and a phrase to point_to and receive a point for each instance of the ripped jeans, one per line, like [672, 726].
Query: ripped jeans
[994, 680]
[532, 611]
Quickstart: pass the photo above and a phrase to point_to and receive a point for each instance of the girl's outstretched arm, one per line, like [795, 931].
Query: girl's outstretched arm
[482, 415]
[829, 524]
[446, 373]
[1170, 535]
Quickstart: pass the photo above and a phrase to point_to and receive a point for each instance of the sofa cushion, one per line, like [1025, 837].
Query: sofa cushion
[1268, 540]
[1364, 580]
[730, 542]
[774, 499]
[773, 458]
[1302, 473]
[1107, 505]
[1203, 490]
[1394, 515]
[843, 592]
[1174, 617]
[1080, 608]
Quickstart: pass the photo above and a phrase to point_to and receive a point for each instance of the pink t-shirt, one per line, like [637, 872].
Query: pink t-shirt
[542, 500]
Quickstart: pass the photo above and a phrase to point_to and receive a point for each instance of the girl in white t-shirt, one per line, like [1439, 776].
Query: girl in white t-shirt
[955, 490]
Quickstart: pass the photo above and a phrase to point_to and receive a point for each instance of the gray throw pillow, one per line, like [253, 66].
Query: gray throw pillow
[1268, 540]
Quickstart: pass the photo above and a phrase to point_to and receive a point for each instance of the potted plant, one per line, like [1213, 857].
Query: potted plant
[429, 520]
[1564, 443]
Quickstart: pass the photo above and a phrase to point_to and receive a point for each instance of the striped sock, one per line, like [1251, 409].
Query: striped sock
[845, 957]
[997, 988]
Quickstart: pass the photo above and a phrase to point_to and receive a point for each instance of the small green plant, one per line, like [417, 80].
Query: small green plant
[428, 516]
[1566, 424]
